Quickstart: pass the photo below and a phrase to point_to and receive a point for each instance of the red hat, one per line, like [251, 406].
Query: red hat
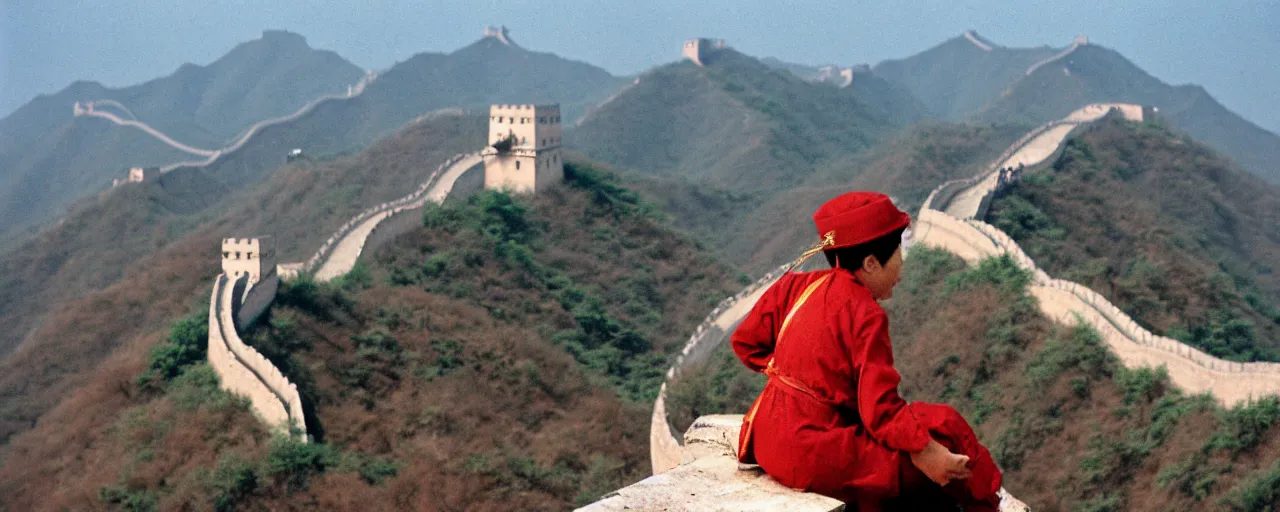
[856, 218]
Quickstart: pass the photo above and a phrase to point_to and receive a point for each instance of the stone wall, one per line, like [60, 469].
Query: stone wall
[281, 389]
[256, 300]
[664, 449]
[1068, 302]
[707, 477]
[412, 201]
[236, 304]
[234, 363]
[1077, 43]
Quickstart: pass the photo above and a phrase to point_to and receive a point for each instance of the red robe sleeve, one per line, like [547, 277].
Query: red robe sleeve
[883, 412]
[754, 339]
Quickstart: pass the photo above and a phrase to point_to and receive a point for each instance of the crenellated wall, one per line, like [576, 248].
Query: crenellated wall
[338, 254]
[1068, 302]
[969, 198]
[664, 449]
[236, 304]
[242, 370]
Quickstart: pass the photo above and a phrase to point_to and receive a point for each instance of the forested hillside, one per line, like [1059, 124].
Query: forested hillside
[504, 353]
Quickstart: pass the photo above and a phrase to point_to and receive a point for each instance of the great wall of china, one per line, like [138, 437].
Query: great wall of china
[948, 220]
[86, 108]
[973, 38]
[243, 370]
[1077, 43]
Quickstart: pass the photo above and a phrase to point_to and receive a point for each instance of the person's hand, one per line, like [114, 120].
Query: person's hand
[940, 465]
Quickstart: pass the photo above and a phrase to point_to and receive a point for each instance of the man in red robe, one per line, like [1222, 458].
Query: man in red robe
[830, 419]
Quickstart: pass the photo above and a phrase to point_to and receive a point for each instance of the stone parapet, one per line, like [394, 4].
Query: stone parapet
[1064, 301]
[283, 392]
[664, 449]
[414, 200]
[235, 374]
[709, 478]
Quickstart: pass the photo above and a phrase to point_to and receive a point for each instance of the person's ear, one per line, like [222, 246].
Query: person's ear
[870, 264]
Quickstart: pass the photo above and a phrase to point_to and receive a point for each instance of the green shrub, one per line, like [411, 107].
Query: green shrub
[186, 345]
[233, 480]
[1258, 494]
[1001, 272]
[1244, 426]
[1080, 352]
[124, 498]
[198, 387]
[1193, 477]
[1023, 220]
[294, 462]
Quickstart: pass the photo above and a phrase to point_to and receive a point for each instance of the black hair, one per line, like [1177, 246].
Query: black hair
[851, 257]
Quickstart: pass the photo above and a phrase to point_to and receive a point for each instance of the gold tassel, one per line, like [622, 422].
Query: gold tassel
[828, 239]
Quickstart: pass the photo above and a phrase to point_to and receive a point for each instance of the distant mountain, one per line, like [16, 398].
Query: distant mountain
[49, 158]
[736, 123]
[487, 71]
[959, 77]
[1093, 73]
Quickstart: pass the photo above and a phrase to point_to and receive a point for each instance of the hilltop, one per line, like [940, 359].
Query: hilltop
[1174, 234]
[958, 80]
[736, 123]
[49, 158]
[957, 77]
[503, 353]
[1094, 73]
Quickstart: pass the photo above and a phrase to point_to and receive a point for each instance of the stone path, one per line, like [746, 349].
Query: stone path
[344, 255]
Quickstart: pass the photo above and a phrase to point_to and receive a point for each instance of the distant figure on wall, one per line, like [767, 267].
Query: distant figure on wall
[830, 420]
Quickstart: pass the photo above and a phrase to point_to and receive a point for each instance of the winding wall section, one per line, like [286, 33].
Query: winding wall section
[244, 371]
[956, 230]
[213, 154]
[1080, 41]
[338, 254]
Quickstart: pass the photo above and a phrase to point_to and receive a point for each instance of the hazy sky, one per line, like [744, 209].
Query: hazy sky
[1232, 50]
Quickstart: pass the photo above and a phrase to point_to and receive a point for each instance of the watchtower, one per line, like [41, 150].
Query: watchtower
[255, 257]
[500, 33]
[700, 49]
[524, 148]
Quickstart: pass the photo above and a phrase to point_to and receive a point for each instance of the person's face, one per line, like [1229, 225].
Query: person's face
[882, 278]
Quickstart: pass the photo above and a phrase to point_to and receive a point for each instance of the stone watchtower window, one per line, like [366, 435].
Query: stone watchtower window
[517, 164]
[248, 256]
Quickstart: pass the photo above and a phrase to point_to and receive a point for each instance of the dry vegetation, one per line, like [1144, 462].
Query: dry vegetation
[126, 264]
[1071, 427]
[1174, 234]
[504, 354]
